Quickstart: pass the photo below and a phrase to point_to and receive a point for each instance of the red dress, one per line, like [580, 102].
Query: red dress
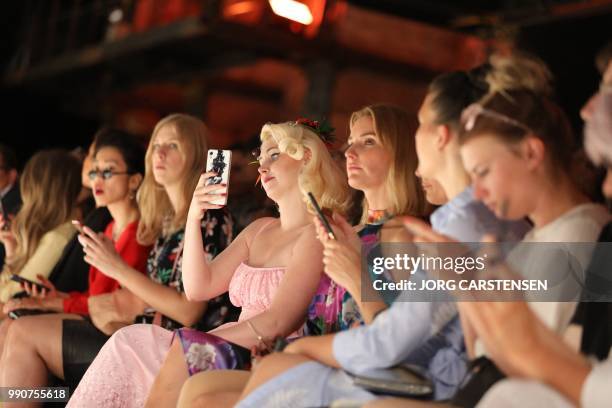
[134, 254]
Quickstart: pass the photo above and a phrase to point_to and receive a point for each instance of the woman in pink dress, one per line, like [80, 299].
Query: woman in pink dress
[272, 270]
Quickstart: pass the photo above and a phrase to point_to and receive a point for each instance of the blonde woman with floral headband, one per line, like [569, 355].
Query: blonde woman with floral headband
[271, 270]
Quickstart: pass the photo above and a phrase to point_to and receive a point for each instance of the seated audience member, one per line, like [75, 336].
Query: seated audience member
[271, 270]
[546, 371]
[55, 340]
[381, 164]
[518, 336]
[543, 369]
[41, 229]
[71, 273]
[593, 315]
[173, 161]
[379, 346]
[10, 198]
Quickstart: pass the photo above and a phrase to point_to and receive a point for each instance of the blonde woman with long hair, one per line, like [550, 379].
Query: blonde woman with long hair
[271, 269]
[173, 163]
[380, 162]
[42, 226]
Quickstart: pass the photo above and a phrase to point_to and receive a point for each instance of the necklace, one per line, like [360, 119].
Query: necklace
[378, 217]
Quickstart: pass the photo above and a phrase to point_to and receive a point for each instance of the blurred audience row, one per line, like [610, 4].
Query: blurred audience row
[124, 279]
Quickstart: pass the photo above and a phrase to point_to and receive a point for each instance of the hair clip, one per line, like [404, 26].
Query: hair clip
[475, 110]
[323, 129]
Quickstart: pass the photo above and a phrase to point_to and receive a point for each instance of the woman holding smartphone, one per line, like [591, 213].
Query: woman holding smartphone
[41, 229]
[381, 162]
[117, 172]
[406, 326]
[271, 269]
[173, 161]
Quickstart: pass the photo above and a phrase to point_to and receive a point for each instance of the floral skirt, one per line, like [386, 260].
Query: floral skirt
[205, 352]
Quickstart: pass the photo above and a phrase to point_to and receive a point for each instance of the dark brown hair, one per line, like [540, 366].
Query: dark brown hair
[603, 58]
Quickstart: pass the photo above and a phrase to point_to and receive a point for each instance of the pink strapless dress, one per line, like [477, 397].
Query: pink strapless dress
[124, 370]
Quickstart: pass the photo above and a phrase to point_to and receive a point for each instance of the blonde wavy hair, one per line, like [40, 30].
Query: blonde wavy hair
[396, 128]
[519, 70]
[320, 174]
[49, 186]
[157, 216]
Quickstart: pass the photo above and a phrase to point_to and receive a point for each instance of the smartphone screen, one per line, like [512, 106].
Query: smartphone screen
[220, 162]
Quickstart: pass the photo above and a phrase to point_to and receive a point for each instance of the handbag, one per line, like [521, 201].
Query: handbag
[482, 375]
[402, 381]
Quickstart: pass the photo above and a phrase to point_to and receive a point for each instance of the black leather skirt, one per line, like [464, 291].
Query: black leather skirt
[81, 342]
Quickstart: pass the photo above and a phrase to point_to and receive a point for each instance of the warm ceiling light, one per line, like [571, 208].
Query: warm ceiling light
[292, 10]
[240, 7]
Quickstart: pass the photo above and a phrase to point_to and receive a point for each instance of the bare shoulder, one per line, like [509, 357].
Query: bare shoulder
[309, 231]
[251, 230]
[258, 224]
[307, 237]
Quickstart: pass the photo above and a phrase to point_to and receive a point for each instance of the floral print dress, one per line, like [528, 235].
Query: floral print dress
[164, 267]
[333, 309]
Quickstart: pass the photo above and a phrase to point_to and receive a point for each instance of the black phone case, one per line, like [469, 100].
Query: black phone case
[17, 313]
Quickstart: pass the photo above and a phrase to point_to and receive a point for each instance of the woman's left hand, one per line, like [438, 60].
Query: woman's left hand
[100, 253]
[341, 256]
[23, 303]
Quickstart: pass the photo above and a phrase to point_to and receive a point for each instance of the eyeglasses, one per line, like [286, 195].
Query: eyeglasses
[105, 174]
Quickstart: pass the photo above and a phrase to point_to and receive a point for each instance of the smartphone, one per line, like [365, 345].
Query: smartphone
[17, 313]
[220, 162]
[78, 226]
[19, 279]
[5, 217]
[330, 231]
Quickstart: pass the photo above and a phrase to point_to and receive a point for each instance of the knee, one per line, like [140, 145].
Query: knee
[203, 400]
[190, 391]
[19, 332]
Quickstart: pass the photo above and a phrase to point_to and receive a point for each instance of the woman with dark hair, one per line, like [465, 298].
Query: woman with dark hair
[55, 339]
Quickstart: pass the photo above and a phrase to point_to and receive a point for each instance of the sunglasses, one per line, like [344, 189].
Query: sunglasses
[105, 174]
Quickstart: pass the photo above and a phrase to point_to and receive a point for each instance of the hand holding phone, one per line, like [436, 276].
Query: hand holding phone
[39, 286]
[219, 162]
[328, 228]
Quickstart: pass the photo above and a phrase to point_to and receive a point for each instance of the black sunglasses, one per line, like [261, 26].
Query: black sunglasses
[105, 174]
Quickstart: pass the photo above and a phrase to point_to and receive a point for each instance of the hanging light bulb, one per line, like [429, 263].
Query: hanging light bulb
[292, 10]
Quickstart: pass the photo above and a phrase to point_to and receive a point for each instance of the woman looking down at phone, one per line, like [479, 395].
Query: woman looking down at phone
[41, 229]
[116, 175]
[175, 155]
[117, 171]
[271, 269]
